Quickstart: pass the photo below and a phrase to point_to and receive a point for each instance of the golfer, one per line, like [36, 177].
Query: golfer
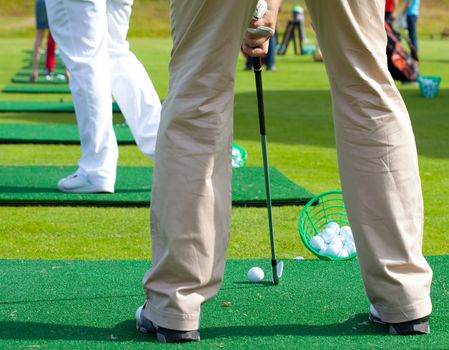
[92, 38]
[191, 200]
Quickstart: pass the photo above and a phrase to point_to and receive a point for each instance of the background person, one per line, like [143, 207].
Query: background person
[411, 10]
[390, 6]
[50, 55]
[92, 38]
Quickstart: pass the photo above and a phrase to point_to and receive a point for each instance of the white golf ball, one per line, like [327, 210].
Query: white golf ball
[331, 250]
[346, 232]
[342, 253]
[327, 235]
[333, 226]
[337, 241]
[350, 248]
[255, 274]
[317, 243]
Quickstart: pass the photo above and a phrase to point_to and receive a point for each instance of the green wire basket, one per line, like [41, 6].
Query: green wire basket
[239, 156]
[317, 213]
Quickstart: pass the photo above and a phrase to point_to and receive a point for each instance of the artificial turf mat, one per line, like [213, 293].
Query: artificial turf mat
[41, 65]
[28, 72]
[42, 60]
[20, 185]
[39, 80]
[91, 304]
[37, 89]
[20, 106]
[54, 133]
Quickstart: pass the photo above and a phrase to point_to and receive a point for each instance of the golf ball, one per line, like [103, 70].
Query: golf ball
[317, 243]
[255, 274]
[327, 235]
[337, 241]
[342, 253]
[331, 250]
[346, 232]
[350, 248]
[333, 226]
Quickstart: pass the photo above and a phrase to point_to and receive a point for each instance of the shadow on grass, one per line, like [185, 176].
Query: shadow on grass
[305, 118]
[126, 331]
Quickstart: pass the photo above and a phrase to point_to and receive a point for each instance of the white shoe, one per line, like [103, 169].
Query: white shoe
[79, 183]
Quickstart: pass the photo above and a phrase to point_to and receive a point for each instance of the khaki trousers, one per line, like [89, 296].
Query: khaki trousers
[191, 198]
[377, 157]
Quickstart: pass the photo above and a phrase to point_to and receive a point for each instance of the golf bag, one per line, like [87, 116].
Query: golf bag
[402, 65]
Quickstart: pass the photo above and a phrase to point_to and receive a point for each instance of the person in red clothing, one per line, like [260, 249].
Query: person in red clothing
[41, 27]
[389, 11]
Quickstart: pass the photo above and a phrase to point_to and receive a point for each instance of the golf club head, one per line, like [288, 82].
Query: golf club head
[277, 272]
[280, 269]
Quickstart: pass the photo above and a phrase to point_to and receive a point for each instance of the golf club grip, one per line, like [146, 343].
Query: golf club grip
[257, 66]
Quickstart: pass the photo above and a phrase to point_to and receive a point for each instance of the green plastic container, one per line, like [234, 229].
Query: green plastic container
[317, 213]
[429, 86]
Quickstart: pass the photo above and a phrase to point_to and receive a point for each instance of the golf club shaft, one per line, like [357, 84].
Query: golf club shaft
[263, 138]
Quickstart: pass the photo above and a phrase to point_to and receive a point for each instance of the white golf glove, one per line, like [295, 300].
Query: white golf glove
[259, 12]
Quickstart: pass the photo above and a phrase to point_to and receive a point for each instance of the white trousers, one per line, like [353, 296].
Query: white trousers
[92, 38]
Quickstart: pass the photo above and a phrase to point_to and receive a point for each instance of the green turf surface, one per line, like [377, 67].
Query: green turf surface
[90, 305]
[42, 59]
[300, 140]
[19, 106]
[43, 72]
[39, 80]
[37, 185]
[36, 89]
[42, 66]
[54, 133]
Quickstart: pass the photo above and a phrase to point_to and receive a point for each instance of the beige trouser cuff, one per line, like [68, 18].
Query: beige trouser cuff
[171, 320]
[405, 313]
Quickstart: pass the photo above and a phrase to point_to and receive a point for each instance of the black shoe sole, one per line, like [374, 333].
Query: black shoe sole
[415, 327]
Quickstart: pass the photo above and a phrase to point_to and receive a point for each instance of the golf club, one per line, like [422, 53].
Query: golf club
[276, 268]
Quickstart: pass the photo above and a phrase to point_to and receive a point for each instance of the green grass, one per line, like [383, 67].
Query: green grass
[78, 305]
[301, 145]
[150, 18]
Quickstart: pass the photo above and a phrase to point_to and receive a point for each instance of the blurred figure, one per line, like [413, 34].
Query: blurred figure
[411, 10]
[390, 6]
[41, 28]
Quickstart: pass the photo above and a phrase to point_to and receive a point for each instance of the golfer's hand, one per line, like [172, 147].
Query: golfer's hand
[257, 45]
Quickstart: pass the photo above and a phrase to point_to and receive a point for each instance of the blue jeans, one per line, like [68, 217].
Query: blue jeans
[411, 27]
[41, 15]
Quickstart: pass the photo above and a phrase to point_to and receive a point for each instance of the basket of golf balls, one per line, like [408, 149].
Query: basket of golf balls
[324, 227]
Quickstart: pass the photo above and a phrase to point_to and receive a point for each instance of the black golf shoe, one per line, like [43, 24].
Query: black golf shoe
[414, 327]
[164, 335]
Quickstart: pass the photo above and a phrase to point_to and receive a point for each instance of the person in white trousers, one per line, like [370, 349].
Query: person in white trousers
[91, 36]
